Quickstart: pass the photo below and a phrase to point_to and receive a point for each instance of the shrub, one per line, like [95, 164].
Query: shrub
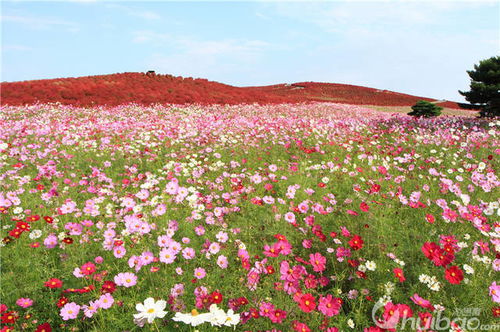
[425, 109]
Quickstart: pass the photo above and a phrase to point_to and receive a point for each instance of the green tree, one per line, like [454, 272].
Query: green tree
[485, 86]
[425, 109]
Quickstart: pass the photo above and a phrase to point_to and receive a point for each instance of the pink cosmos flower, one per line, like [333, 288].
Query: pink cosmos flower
[91, 309]
[188, 253]
[50, 241]
[222, 261]
[126, 279]
[290, 217]
[495, 292]
[266, 309]
[119, 252]
[318, 262]
[105, 301]
[422, 302]
[283, 247]
[70, 311]
[167, 256]
[199, 273]
[329, 306]
[87, 268]
[24, 302]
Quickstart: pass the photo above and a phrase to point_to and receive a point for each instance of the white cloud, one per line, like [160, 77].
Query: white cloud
[16, 48]
[144, 14]
[40, 23]
[412, 47]
[221, 60]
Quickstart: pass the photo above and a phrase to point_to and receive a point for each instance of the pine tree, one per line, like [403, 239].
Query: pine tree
[485, 87]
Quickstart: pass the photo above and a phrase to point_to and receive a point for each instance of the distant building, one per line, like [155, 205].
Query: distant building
[150, 73]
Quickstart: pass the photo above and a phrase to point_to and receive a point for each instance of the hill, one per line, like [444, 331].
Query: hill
[144, 88]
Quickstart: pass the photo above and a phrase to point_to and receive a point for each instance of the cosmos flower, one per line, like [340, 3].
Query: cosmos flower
[150, 310]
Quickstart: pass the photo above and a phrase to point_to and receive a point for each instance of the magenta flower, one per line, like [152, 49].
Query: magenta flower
[329, 306]
[24, 302]
[318, 262]
[422, 302]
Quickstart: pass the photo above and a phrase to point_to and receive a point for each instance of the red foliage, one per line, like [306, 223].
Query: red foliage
[145, 89]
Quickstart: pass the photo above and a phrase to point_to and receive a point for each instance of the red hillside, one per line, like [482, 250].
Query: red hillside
[146, 89]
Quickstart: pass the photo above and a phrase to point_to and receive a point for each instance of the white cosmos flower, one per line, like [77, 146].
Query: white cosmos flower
[217, 315]
[193, 318]
[232, 319]
[150, 310]
[468, 269]
[35, 234]
[371, 265]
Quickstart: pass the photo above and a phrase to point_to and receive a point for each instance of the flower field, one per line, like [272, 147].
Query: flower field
[304, 217]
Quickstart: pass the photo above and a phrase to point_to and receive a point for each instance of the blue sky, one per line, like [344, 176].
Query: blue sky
[421, 48]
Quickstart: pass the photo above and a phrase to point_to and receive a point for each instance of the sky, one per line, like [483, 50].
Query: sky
[417, 47]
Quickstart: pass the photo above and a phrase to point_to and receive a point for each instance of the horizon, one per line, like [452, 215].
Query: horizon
[416, 48]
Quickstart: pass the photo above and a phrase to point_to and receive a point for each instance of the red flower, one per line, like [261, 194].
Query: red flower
[442, 258]
[375, 188]
[429, 248]
[270, 269]
[16, 233]
[62, 301]
[35, 217]
[68, 240]
[399, 274]
[9, 317]
[496, 312]
[356, 242]
[364, 207]
[280, 237]
[454, 275]
[216, 297]
[254, 313]
[353, 262]
[242, 301]
[430, 218]
[48, 219]
[307, 302]
[23, 226]
[54, 283]
[45, 327]
[108, 287]
[425, 320]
